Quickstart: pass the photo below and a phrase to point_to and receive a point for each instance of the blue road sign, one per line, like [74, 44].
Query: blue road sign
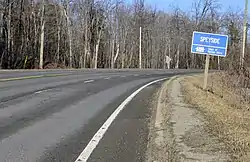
[209, 44]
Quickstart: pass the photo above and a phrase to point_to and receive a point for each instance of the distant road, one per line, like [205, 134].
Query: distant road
[7, 74]
[53, 116]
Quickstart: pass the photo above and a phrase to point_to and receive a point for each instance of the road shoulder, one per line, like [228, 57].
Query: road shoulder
[127, 137]
[180, 132]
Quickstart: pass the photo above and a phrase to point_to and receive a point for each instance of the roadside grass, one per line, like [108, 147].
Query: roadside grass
[225, 108]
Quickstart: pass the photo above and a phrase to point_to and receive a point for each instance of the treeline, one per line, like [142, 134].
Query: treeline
[105, 34]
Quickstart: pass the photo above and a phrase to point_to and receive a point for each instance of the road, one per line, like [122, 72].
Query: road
[53, 116]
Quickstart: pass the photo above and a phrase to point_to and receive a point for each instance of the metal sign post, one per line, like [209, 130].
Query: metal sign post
[209, 44]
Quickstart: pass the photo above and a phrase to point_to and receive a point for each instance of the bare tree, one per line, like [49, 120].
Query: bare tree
[67, 15]
[105, 34]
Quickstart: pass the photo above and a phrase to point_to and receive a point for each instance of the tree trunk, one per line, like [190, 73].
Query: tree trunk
[9, 34]
[58, 44]
[140, 46]
[1, 35]
[97, 48]
[70, 46]
[117, 52]
[165, 57]
[1, 27]
[186, 55]
[131, 57]
[177, 57]
[123, 60]
[1, 61]
[112, 53]
[69, 32]
[169, 54]
[58, 36]
[147, 52]
[123, 52]
[86, 38]
[36, 39]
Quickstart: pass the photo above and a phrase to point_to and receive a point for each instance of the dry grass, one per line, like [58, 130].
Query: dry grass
[226, 110]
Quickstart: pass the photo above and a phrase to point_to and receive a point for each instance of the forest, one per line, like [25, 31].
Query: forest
[106, 34]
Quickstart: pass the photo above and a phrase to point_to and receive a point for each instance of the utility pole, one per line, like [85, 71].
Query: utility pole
[42, 21]
[244, 35]
[140, 66]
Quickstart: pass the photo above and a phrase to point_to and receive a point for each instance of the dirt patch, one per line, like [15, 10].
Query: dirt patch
[228, 117]
[183, 130]
[158, 148]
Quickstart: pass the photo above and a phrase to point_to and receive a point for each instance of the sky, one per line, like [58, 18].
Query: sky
[186, 4]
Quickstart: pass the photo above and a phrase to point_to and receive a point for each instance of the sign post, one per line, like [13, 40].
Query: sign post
[206, 71]
[209, 44]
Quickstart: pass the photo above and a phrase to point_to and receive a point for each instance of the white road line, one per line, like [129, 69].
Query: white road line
[89, 81]
[123, 76]
[107, 78]
[38, 92]
[84, 156]
[136, 75]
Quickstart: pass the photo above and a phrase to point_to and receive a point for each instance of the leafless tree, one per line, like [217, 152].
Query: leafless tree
[105, 34]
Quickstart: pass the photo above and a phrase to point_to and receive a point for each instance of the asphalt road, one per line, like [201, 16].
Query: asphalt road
[54, 118]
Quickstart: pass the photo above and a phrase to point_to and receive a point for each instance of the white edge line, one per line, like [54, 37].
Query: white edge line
[84, 156]
[108, 78]
[89, 81]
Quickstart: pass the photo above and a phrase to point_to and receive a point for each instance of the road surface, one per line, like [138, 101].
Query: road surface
[53, 116]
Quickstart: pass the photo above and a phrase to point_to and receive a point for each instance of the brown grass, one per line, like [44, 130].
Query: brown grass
[226, 110]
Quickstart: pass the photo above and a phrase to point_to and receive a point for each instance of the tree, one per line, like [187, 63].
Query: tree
[105, 34]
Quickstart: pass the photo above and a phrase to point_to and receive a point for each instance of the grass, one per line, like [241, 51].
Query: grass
[226, 110]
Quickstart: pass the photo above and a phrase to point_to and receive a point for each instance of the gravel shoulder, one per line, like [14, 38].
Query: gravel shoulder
[179, 131]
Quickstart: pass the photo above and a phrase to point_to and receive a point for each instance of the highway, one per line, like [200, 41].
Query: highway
[54, 115]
